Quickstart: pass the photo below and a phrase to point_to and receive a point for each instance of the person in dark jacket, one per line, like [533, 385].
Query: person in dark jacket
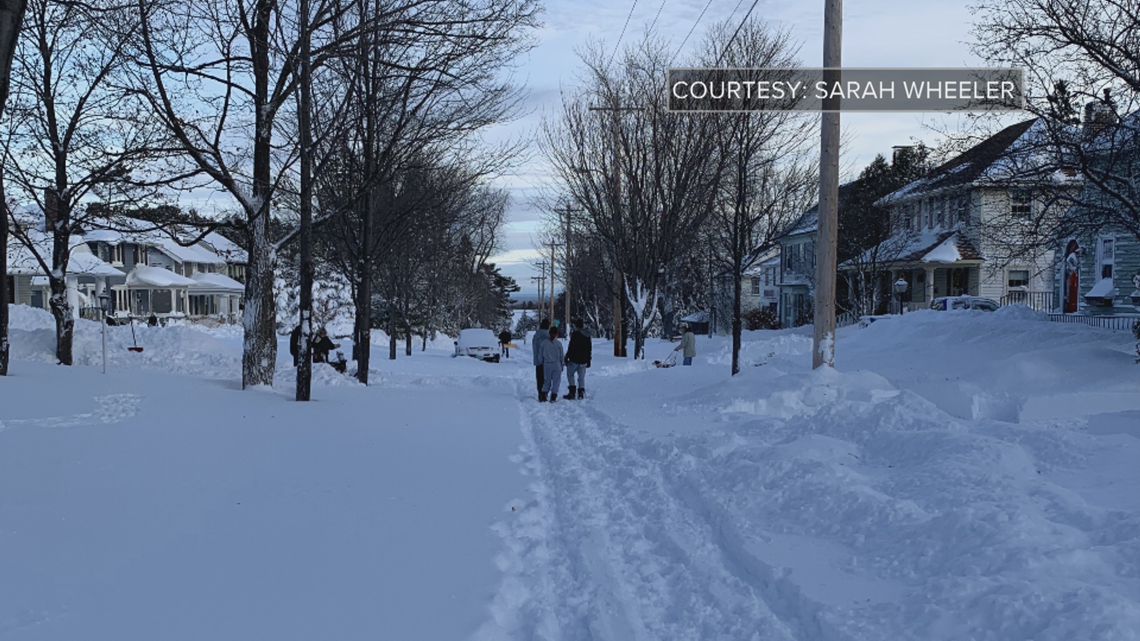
[504, 341]
[577, 360]
[322, 346]
[553, 357]
[295, 345]
[540, 337]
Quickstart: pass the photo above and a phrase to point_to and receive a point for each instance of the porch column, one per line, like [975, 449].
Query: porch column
[73, 295]
[929, 285]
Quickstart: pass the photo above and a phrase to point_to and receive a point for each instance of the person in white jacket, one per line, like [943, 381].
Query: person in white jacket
[688, 344]
[553, 359]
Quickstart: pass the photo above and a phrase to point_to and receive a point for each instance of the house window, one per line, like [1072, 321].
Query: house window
[1106, 257]
[1018, 278]
[116, 254]
[755, 286]
[963, 210]
[1020, 203]
[940, 213]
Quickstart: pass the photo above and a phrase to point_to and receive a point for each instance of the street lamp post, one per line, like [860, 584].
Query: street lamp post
[900, 289]
[105, 305]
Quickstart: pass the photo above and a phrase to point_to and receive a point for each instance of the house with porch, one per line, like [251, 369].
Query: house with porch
[1098, 268]
[164, 277]
[953, 228]
[28, 281]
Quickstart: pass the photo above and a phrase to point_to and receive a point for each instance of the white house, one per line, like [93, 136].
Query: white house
[28, 280]
[954, 227]
[165, 278]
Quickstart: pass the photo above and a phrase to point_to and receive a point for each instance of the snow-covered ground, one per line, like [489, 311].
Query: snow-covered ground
[962, 475]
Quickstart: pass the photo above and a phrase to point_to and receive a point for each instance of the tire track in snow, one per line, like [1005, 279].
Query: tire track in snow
[621, 557]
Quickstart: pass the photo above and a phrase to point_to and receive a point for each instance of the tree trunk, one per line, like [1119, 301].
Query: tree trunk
[737, 312]
[4, 294]
[259, 351]
[391, 334]
[64, 320]
[362, 328]
[11, 17]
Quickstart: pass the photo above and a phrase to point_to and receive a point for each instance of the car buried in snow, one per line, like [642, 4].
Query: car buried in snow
[478, 343]
[946, 303]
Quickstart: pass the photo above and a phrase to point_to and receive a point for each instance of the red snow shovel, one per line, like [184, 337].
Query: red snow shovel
[136, 348]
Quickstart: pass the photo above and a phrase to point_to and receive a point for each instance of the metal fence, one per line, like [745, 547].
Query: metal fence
[1107, 322]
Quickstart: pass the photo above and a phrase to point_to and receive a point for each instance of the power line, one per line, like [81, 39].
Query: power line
[654, 23]
[738, 28]
[690, 32]
[618, 43]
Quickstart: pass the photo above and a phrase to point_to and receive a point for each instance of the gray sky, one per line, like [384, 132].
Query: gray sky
[876, 33]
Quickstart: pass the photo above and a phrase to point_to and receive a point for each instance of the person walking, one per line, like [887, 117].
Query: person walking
[553, 357]
[688, 344]
[577, 360]
[540, 337]
[504, 342]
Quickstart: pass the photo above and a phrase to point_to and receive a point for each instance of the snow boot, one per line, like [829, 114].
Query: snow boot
[581, 393]
[542, 397]
[553, 395]
[572, 394]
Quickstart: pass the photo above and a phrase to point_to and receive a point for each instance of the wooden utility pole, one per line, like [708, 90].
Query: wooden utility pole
[553, 246]
[566, 263]
[541, 289]
[619, 284]
[304, 84]
[823, 344]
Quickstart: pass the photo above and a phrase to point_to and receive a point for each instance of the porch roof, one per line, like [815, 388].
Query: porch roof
[144, 277]
[205, 283]
[930, 246]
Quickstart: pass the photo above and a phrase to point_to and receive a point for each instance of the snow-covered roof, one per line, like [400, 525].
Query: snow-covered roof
[215, 282]
[1102, 289]
[144, 276]
[141, 232]
[1018, 152]
[696, 317]
[937, 245]
[226, 248]
[21, 260]
[808, 222]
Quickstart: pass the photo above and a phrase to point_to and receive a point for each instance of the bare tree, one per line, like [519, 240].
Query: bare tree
[769, 173]
[11, 18]
[72, 134]
[1081, 58]
[667, 171]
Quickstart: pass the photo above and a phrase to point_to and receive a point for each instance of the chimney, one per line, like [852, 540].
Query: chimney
[1099, 114]
[51, 210]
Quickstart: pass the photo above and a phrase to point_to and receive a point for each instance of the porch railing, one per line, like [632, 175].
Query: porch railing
[1037, 301]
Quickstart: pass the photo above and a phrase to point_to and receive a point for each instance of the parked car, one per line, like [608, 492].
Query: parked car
[964, 302]
[478, 343]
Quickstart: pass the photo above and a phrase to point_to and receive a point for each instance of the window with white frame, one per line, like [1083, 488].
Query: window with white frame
[1106, 256]
[940, 213]
[1020, 203]
[963, 215]
[755, 286]
[1018, 278]
[117, 254]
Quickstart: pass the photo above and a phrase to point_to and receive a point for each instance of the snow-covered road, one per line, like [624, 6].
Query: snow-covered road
[961, 476]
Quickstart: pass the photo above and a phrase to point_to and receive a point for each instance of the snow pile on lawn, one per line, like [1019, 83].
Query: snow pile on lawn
[837, 505]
